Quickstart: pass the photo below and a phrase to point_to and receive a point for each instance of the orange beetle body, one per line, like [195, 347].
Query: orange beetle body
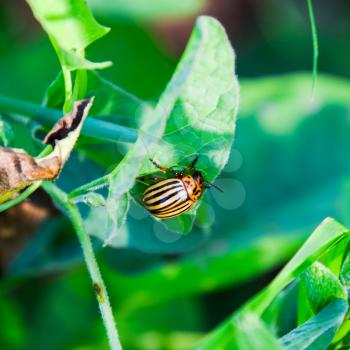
[168, 198]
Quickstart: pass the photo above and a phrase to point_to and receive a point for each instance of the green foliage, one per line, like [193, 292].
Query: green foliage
[326, 236]
[322, 286]
[71, 28]
[195, 116]
[112, 103]
[318, 332]
[345, 271]
[287, 170]
[252, 334]
[181, 114]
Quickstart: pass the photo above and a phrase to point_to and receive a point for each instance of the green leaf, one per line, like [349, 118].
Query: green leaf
[318, 332]
[70, 27]
[345, 272]
[322, 286]
[305, 311]
[295, 217]
[73, 61]
[327, 235]
[150, 10]
[116, 105]
[111, 103]
[334, 258]
[195, 116]
[203, 118]
[303, 138]
[280, 316]
[252, 334]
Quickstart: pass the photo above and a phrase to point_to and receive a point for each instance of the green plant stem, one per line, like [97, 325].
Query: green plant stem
[91, 186]
[93, 127]
[100, 289]
[68, 87]
[314, 44]
[80, 85]
[26, 193]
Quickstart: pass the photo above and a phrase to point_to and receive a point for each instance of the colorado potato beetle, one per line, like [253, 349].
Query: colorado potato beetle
[171, 197]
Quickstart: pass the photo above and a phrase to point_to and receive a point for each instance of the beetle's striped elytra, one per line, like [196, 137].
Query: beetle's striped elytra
[168, 198]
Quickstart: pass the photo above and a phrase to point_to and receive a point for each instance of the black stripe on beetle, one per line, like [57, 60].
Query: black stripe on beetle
[168, 198]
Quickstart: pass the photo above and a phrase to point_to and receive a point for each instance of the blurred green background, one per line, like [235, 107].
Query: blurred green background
[288, 170]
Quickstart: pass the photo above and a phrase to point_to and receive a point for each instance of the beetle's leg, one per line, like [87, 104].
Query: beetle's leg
[192, 165]
[163, 169]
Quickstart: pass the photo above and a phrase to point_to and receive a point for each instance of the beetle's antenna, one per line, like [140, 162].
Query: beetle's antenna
[209, 185]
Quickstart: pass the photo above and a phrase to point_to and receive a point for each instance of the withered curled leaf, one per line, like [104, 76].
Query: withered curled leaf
[18, 169]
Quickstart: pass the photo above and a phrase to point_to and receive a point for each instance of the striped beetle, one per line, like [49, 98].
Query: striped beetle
[168, 198]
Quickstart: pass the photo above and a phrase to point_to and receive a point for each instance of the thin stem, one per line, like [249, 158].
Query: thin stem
[67, 76]
[314, 44]
[91, 186]
[21, 197]
[68, 88]
[100, 289]
[93, 127]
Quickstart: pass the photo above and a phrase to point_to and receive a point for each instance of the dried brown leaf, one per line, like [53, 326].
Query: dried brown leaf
[18, 169]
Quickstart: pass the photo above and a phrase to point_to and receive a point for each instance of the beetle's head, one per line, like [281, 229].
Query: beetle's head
[198, 177]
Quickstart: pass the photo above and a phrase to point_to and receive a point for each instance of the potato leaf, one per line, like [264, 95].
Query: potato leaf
[322, 286]
[318, 332]
[203, 118]
[326, 235]
[345, 272]
[71, 28]
[199, 108]
[253, 334]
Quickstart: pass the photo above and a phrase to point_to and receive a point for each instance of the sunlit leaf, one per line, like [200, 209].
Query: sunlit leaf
[327, 234]
[318, 332]
[345, 272]
[203, 118]
[252, 334]
[111, 103]
[71, 28]
[322, 286]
